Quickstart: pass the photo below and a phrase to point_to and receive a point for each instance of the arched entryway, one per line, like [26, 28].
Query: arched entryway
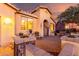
[45, 28]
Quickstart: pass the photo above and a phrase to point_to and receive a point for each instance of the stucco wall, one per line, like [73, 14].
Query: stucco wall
[20, 17]
[44, 15]
[17, 23]
[7, 30]
[36, 13]
[36, 25]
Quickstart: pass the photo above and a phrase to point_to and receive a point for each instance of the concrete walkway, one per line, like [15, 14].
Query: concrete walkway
[50, 44]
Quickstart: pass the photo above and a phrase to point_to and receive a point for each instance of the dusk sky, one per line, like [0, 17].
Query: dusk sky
[55, 8]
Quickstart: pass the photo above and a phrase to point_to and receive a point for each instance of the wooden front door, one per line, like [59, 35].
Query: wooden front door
[46, 28]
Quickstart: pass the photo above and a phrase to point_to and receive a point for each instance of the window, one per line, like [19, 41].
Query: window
[26, 24]
[51, 27]
[30, 23]
[23, 25]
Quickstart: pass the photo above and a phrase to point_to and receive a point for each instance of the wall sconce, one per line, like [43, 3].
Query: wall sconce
[7, 21]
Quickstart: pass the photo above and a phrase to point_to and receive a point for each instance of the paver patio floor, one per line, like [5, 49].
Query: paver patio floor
[50, 44]
[9, 51]
[6, 51]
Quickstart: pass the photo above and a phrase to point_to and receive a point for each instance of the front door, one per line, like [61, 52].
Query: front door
[46, 28]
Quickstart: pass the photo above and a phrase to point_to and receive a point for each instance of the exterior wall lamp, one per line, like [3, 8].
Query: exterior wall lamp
[7, 21]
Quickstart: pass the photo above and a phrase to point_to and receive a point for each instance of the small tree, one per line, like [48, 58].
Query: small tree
[71, 14]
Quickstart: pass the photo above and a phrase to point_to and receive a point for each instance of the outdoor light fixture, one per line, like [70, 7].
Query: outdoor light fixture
[67, 27]
[7, 21]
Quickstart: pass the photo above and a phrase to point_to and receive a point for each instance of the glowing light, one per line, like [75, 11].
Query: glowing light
[51, 27]
[23, 21]
[67, 27]
[77, 27]
[7, 21]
